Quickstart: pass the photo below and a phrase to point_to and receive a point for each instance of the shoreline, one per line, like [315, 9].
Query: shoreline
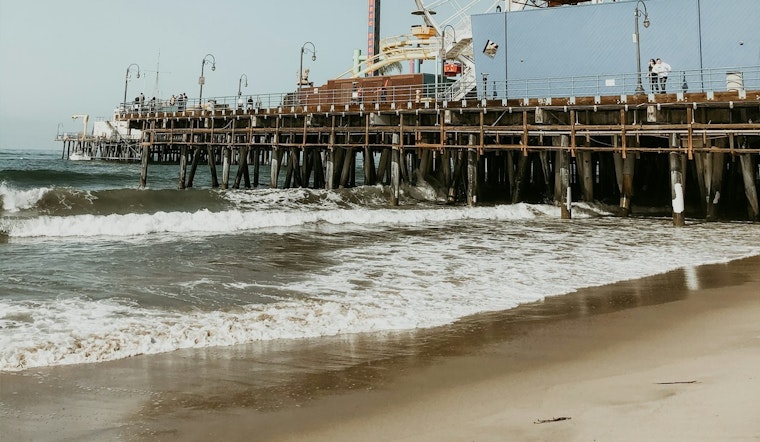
[617, 360]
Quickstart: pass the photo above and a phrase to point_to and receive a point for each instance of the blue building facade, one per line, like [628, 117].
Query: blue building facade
[588, 50]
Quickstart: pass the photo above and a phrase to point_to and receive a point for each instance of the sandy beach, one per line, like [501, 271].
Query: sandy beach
[672, 357]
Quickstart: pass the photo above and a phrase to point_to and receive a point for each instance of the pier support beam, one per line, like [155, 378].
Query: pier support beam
[585, 165]
[750, 189]
[520, 176]
[275, 166]
[348, 162]
[446, 168]
[710, 176]
[383, 166]
[330, 169]
[624, 168]
[472, 177]
[677, 191]
[395, 175]
[182, 166]
[144, 166]
[472, 171]
[242, 171]
[456, 177]
[194, 165]
[256, 165]
[563, 166]
[211, 158]
[395, 170]
[369, 167]
[226, 155]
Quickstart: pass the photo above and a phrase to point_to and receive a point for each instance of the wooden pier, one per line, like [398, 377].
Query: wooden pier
[695, 153]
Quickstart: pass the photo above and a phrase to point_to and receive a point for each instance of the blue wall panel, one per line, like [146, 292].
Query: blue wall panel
[595, 42]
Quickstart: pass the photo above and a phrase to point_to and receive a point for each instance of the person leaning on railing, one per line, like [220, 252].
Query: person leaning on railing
[653, 82]
[661, 69]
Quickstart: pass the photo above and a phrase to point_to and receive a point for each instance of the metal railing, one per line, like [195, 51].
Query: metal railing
[707, 80]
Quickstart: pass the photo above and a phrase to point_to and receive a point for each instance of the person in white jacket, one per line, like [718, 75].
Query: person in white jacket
[661, 69]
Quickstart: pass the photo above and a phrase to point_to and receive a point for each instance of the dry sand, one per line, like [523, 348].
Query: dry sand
[674, 357]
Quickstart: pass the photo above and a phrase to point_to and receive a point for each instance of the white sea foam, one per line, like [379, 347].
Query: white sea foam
[401, 282]
[15, 200]
[205, 221]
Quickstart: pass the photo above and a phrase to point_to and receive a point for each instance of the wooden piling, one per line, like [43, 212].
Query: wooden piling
[144, 166]
[472, 177]
[242, 165]
[750, 189]
[677, 190]
[472, 171]
[563, 160]
[625, 165]
[182, 165]
[226, 159]
[330, 169]
[256, 165]
[395, 176]
[274, 174]
[194, 165]
[348, 161]
[210, 157]
[369, 166]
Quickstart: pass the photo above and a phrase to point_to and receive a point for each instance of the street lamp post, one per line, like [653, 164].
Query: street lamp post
[202, 79]
[443, 49]
[313, 52]
[636, 15]
[240, 82]
[126, 80]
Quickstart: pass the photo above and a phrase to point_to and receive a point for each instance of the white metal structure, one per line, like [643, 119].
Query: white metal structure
[447, 20]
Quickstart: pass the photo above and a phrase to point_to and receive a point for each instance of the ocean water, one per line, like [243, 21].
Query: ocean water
[94, 269]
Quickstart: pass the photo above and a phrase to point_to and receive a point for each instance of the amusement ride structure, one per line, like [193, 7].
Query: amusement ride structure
[445, 36]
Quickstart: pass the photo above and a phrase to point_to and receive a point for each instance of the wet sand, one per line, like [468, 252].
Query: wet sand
[670, 357]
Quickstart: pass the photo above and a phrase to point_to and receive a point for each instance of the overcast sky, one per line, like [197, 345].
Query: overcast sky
[59, 58]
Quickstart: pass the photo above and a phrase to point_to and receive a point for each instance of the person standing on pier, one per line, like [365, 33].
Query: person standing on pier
[653, 76]
[661, 69]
